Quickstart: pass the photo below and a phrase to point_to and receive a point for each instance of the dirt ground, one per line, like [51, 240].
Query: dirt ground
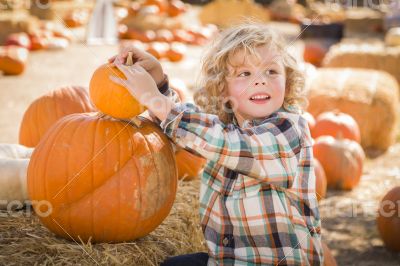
[348, 217]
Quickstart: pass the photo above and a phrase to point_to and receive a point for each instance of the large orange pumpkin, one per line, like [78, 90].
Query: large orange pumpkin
[104, 179]
[342, 160]
[388, 219]
[336, 124]
[320, 180]
[110, 98]
[48, 109]
[189, 165]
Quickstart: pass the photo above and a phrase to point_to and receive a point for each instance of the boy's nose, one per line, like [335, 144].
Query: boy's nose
[260, 80]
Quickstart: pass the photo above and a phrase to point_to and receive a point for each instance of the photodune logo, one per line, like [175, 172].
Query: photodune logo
[16, 208]
[24, 4]
[374, 4]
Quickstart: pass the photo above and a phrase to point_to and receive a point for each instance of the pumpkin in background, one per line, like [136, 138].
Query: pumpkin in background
[161, 4]
[13, 59]
[388, 219]
[189, 165]
[320, 180]
[329, 260]
[175, 8]
[48, 109]
[110, 98]
[314, 54]
[310, 120]
[336, 124]
[95, 177]
[176, 52]
[19, 39]
[342, 160]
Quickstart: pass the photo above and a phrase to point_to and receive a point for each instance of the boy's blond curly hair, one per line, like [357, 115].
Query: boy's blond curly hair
[214, 71]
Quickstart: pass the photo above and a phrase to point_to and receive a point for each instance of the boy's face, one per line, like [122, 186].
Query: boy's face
[256, 84]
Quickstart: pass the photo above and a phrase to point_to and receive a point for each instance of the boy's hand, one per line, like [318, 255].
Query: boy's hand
[143, 87]
[143, 59]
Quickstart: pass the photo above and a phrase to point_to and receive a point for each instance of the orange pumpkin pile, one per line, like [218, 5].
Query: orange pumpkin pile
[94, 177]
[339, 156]
[158, 21]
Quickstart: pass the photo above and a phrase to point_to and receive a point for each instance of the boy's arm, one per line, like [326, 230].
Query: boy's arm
[165, 90]
[243, 150]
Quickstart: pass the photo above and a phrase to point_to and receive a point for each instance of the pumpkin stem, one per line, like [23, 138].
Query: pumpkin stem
[129, 59]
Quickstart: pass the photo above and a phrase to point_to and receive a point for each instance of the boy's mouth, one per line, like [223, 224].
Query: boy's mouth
[260, 98]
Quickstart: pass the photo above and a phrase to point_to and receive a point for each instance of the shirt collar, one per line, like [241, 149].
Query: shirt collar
[257, 121]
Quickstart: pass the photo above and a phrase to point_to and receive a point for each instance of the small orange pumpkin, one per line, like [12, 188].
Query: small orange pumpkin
[314, 54]
[110, 98]
[13, 59]
[158, 49]
[176, 52]
[48, 109]
[164, 35]
[143, 36]
[329, 260]
[93, 177]
[388, 219]
[342, 160]
[181, 35]
[189, 165]
[336, 124]
[310, 120]
[19, 39]
[161, 4]
[320, 180]
[175, 8]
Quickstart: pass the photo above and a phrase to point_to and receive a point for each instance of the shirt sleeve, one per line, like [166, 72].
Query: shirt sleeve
[241, 150]
[164, 88]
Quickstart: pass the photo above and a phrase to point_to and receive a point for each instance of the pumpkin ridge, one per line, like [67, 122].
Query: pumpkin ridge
[67, 205]
[92, 225]
[117, 228]
[69, 181]
[140, 191]
[155, 166]
[101, 184]
[46, 192]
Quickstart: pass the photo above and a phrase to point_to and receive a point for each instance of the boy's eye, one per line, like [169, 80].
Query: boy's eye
[271, 72]
[244, 74]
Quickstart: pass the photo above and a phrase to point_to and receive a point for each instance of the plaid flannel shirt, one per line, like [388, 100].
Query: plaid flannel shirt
[257, 197]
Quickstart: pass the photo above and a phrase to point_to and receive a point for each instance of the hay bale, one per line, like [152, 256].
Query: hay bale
[363, 22]
[370, 96]
[15, 21]
[225, 13]
[24, 239]
[360, 54]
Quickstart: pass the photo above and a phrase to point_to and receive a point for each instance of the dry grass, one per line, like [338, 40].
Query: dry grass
[24, 241]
